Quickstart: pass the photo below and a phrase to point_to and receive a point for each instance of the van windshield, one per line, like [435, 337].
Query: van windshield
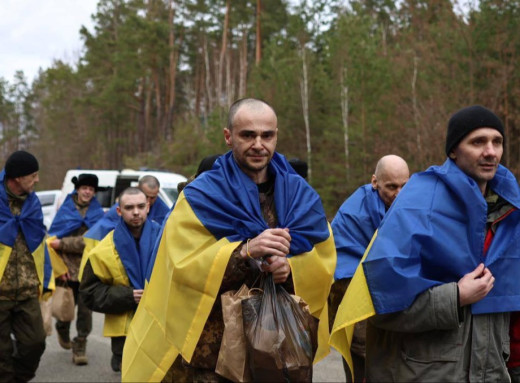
[171, 193]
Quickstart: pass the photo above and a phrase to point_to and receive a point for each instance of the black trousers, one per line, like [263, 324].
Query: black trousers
[24, 320]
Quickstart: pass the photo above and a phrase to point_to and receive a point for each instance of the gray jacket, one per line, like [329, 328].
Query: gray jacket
[428, 343]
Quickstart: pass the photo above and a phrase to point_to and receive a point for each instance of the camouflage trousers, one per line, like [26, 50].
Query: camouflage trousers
[181, 372]
[19, 358]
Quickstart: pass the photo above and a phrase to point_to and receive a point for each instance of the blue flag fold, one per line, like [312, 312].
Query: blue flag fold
[434, 234]
[353, 226]
[136, 261]
[226, 201]
[68, 219]
[105, 225]
[158, 211]
[30, 220]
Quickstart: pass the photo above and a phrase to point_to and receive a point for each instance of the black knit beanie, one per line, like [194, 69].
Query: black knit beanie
[20, 163]
[467, 120]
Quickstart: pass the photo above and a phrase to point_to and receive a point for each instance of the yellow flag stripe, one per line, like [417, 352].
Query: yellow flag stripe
[89, 245]
[5, 253]
[313, 274]
[38, 255]
[58, 265]
[355, 306]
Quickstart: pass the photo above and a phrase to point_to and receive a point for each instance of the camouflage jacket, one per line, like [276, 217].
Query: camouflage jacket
[238, 272]
[20, 280]
[71, 246]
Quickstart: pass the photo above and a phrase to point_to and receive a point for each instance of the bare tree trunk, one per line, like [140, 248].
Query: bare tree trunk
[208, 76]
[363, 124]
[344, 118]
[418, 139]
[364, 135]
[383, 32]
[172, 74]
[148, 112]
[223, 49]
[230, 89]
[141, 114]
[304, 92]
[158, 105]
[198, 87]
[506, 123]
[243, 65]
[258, 55]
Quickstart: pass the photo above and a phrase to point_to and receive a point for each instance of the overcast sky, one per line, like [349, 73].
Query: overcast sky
[35, 32]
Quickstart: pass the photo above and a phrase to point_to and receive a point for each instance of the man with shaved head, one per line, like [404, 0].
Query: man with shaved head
[353, 227]
[390, 176]
[249, 209]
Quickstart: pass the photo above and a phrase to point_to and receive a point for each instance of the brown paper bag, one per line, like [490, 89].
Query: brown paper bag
[45, 307]
[63, 304]
[232, 363]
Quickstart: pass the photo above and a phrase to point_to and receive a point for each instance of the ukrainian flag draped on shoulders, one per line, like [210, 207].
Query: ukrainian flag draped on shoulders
[67, 220]
[213, 215]
[97, 232]
[119, 260]
[158, 211]
[136, 260]
[353, 226]
[30, 223]
[434, 234]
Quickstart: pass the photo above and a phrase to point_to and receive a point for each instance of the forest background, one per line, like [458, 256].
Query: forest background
[350, 82]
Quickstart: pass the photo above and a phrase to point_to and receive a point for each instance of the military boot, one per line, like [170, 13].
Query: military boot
[63, 337]
[79, 351]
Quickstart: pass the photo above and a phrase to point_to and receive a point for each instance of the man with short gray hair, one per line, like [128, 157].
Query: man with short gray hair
[158, 209]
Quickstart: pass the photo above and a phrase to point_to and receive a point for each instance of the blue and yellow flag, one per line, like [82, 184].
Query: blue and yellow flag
[117, 261]
[212, 216]
[158, 211]
[136, 260]
[30, 223]
[97, 232]
[67, 220]
[353, 226]
[434, 234]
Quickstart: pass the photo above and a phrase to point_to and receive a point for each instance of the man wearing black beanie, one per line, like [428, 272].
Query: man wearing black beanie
[442, 269]
[22, 276]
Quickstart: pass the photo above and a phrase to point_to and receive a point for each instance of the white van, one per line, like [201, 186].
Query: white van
[114, 182]
[49, 201]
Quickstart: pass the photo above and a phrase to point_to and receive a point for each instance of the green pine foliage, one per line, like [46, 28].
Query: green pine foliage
[154, 82]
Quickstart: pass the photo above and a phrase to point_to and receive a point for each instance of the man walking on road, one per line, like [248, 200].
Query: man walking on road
[115, 272]
[250, 206]
[441, 274]
[79, 212]
[22, 276]
[353, 226]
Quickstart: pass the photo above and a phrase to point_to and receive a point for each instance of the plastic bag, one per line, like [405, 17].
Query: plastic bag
[281, 335]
